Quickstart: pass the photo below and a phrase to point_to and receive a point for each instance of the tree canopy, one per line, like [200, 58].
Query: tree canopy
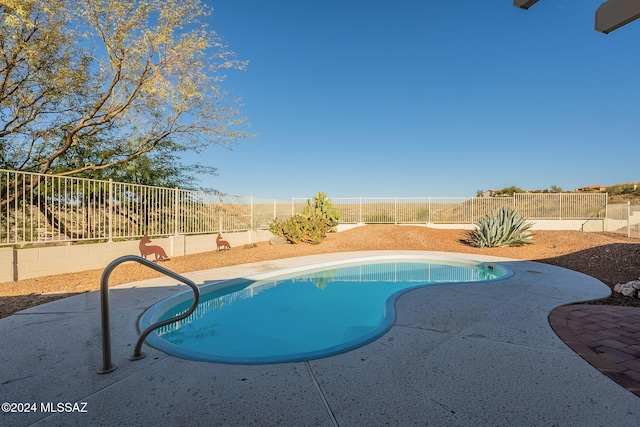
[91, 85]
[509, 191]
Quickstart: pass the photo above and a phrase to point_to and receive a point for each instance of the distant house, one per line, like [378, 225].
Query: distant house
[592, 189]
[489, 193]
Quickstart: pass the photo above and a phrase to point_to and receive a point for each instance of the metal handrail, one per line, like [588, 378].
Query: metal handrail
[107, 366]
[594, 215]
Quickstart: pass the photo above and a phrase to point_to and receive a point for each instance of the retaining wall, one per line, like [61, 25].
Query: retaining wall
[17, 264]
[44, 261]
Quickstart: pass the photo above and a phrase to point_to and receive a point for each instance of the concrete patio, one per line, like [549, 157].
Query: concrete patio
[457, 355]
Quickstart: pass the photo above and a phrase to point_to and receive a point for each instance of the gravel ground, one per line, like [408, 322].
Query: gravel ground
[609, 257]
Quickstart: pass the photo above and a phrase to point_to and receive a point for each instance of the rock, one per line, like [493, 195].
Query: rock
[627, 290]
[277, 240]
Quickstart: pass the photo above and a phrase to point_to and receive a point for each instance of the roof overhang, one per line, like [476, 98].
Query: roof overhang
[611, 15]
[614, 14]
[524, 4]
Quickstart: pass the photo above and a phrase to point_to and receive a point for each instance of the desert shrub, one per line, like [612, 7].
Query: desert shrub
[509, 191]
[379, 218]
[300, 229]
[312, 225]
[624, 189]
[504, 227]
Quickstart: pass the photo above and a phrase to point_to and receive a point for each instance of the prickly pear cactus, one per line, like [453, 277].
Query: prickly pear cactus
[312, 225]
[323, 207]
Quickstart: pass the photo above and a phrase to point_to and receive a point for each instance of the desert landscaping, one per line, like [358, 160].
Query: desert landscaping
[608, 257]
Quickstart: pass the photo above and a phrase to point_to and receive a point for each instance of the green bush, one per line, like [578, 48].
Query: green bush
[504, 227]
[300, 229]
[624, 189]
[312, 225]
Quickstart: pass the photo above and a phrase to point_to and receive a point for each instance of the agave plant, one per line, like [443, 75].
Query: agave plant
[504, 227]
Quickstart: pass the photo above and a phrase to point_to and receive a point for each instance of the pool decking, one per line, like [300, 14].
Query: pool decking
[464, 354]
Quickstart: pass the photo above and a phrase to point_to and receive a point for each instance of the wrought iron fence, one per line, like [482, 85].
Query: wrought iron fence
[465, 210]
[624, 218]
[49, 208]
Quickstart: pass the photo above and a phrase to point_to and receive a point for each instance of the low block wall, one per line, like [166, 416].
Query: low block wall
[617, 225]
[44, 261]
[567, 224]
[7, 273]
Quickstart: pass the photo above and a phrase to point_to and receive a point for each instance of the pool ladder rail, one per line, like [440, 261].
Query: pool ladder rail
[107, 365]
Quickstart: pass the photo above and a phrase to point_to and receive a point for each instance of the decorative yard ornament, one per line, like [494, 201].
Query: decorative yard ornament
[145, 250]
[222, 244]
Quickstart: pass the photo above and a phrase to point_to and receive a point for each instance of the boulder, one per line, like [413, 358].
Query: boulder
[628, 290]
[277, 240]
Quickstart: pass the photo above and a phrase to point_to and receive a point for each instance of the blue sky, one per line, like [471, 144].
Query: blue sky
[426, 98]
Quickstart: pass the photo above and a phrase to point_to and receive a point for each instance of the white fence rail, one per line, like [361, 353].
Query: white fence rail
[48, 208]
[624, 218]
[466, 210]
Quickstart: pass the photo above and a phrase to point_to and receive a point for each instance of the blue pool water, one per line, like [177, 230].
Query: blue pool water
[303, 315]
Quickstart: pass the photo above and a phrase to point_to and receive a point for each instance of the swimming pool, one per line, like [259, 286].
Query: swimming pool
[302, 313]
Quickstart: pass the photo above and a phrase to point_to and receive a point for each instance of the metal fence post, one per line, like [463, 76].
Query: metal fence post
[473, 205]
[220, 215]
[251, 212]
[560, 207]
[395, 210]
[628, 219]
[605, 227]
[110, 201]
[176, 211]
